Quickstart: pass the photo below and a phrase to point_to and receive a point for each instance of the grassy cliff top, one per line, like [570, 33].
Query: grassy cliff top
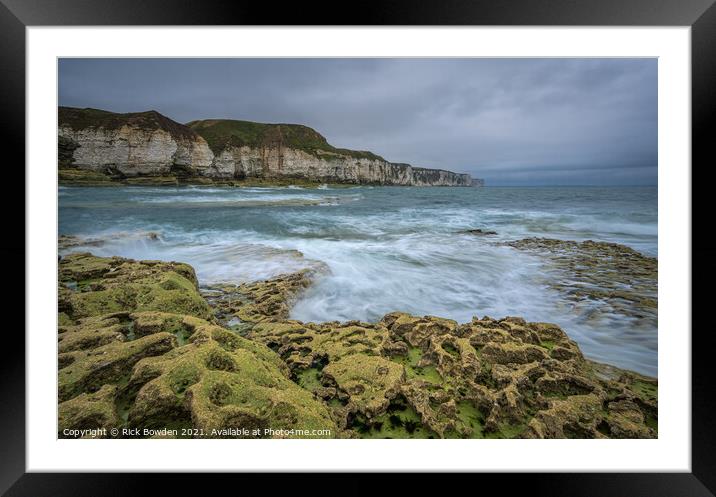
[219, 133]
[77, 119]
[223, 133]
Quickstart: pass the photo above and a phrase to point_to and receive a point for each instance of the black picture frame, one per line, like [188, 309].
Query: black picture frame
[16, 15]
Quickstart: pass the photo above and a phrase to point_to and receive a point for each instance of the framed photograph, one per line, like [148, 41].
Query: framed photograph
[454, 239]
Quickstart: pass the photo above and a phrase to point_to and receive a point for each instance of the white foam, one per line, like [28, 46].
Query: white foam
[387, 250]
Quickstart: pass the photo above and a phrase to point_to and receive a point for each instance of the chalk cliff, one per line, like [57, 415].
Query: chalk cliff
[148, 144]
[135, 144]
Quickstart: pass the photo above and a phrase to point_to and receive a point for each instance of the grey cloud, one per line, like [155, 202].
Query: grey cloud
[511, 121]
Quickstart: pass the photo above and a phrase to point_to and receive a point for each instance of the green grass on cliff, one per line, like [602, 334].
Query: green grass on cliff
[223, 133]
[78, 119]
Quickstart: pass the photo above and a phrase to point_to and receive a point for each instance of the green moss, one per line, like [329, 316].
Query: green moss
[366, 379]
[428, 373]
[152, 181]
[63, 319]
[471, 418]
[413, 371]
[400, 421]
[645, 389]
[94, 332]
[183, 376]
[414, 355]
[148, 322]
[547, 344]
[303, 346]
[89, 411]
[450, 349]
[83, 177]
[122, 404]
[85, 266]
[309, 379]
[87, 371]
[242, 328]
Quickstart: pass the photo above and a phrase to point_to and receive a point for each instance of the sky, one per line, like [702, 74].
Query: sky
[535, 121]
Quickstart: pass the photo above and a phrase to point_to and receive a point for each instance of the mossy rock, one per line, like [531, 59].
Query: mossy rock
[83, 177]
[510, 378]
[88, 371]
[266, 300]
[369, 381]
[405, 376]
[222, 381]
[484, 379]
[89, 411]
[302, 346]
[92, 332]
[101, 285]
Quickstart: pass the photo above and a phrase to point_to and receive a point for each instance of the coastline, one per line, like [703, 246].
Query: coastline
[173, 354]
[151, 145]
[85, 177]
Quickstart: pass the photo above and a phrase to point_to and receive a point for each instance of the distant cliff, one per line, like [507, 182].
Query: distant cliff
[148, 144]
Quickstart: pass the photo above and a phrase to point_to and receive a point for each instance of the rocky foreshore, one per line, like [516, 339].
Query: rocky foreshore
[617, 278]
[98, 147]
[142, 346]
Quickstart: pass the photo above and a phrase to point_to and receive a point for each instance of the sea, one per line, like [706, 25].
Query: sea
[383, 249]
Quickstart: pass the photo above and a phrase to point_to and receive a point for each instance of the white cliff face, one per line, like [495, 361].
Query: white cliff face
[236, 162]
[194, 154]
[279, 162]
[136, 152]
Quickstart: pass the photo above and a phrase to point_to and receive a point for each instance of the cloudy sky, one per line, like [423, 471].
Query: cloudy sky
[510, 121]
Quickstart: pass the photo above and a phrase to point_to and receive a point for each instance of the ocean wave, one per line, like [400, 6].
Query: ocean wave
[246, 202]
[388, 249]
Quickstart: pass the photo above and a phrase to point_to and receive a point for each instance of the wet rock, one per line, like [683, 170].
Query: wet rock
[619, 278]
[65, 242]
[69, 241]
[268, 300]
